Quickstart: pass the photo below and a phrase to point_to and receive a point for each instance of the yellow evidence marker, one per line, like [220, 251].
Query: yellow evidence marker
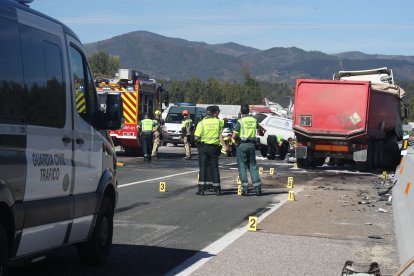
[290, 182]
[291, 195]
[252, 224]
[239, 189]
[260, 170]
[384, 174]
[162, 187]
[295, 166]
[238, 180]
[271, 171]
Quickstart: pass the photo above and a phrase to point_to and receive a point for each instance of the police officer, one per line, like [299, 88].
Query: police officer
[157, 133]
[215, 109]
[146, 128]
[229, 142]
[208, 136]
[187, 131]
[246, 157]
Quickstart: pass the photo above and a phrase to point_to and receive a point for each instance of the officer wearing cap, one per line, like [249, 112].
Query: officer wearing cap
[208, 136]
[187, 131]
[246, 156]
[157, 133]
[145, 128]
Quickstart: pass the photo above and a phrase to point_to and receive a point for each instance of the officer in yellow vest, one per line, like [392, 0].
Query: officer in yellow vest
[245, 129]
[157, 133]
[187, 131]
[146, 128]
[208, 137]
[229, 142]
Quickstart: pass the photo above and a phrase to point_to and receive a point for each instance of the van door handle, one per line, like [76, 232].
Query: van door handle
[80, 141]
[66, 139]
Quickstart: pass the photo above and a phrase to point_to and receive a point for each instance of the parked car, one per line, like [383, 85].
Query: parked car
[270, 124]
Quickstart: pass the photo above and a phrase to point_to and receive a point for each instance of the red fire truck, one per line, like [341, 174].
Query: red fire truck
[140, 95]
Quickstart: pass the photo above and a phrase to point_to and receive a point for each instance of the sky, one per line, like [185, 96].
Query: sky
[369, 26]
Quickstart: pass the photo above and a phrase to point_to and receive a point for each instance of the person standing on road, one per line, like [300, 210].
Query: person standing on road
[216, 112]
[157, 134]
[146, 128]
[208, 136]
[187, 131]
[246, 156]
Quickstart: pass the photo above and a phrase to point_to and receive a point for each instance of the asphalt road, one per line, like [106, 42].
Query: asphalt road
[155, 232]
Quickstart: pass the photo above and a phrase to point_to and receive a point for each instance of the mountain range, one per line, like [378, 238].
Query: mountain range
[178, 59]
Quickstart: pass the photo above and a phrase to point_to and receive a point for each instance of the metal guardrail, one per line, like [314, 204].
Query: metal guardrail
[403, 206]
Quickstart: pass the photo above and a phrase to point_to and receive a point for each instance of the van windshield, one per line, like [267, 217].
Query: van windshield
[177, 118]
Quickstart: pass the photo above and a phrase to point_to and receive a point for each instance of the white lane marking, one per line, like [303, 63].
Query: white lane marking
[212, 250]
[163, 177]
[154, 179]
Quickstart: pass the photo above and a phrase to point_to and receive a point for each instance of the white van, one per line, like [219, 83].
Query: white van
[57, 166]
[172, 128]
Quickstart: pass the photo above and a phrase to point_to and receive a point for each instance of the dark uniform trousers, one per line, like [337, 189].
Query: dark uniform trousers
[208, 156]
[146, 144]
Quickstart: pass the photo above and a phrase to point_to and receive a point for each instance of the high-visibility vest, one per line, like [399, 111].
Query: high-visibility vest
[228, 141]
[248, 127]
[147, 124]
[209, 131]
[186, 126]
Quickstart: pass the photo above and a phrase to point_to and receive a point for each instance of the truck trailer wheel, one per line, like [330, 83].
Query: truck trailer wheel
[303, 163]
[392, 156]
[96, 251]
[4, 251]
[369, 164]
[317, 162]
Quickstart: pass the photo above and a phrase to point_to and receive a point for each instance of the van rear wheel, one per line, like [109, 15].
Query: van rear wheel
[4, 251]
[96, 251]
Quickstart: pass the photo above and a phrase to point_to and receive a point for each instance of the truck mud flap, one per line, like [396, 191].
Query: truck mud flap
[301, 152]
[360, 156]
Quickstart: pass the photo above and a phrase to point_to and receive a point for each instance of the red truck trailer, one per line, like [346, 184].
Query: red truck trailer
[348, 121]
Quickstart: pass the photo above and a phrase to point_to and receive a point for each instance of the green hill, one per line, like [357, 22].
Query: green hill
[178, 59]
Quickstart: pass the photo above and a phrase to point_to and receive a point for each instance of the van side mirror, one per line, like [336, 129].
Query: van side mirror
[114, 112]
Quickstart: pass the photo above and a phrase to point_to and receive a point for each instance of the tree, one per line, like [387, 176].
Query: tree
[252, 93]
[104, 64]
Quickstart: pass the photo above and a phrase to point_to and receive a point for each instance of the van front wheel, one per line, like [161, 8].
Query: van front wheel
[4, 249]
[96, 251]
